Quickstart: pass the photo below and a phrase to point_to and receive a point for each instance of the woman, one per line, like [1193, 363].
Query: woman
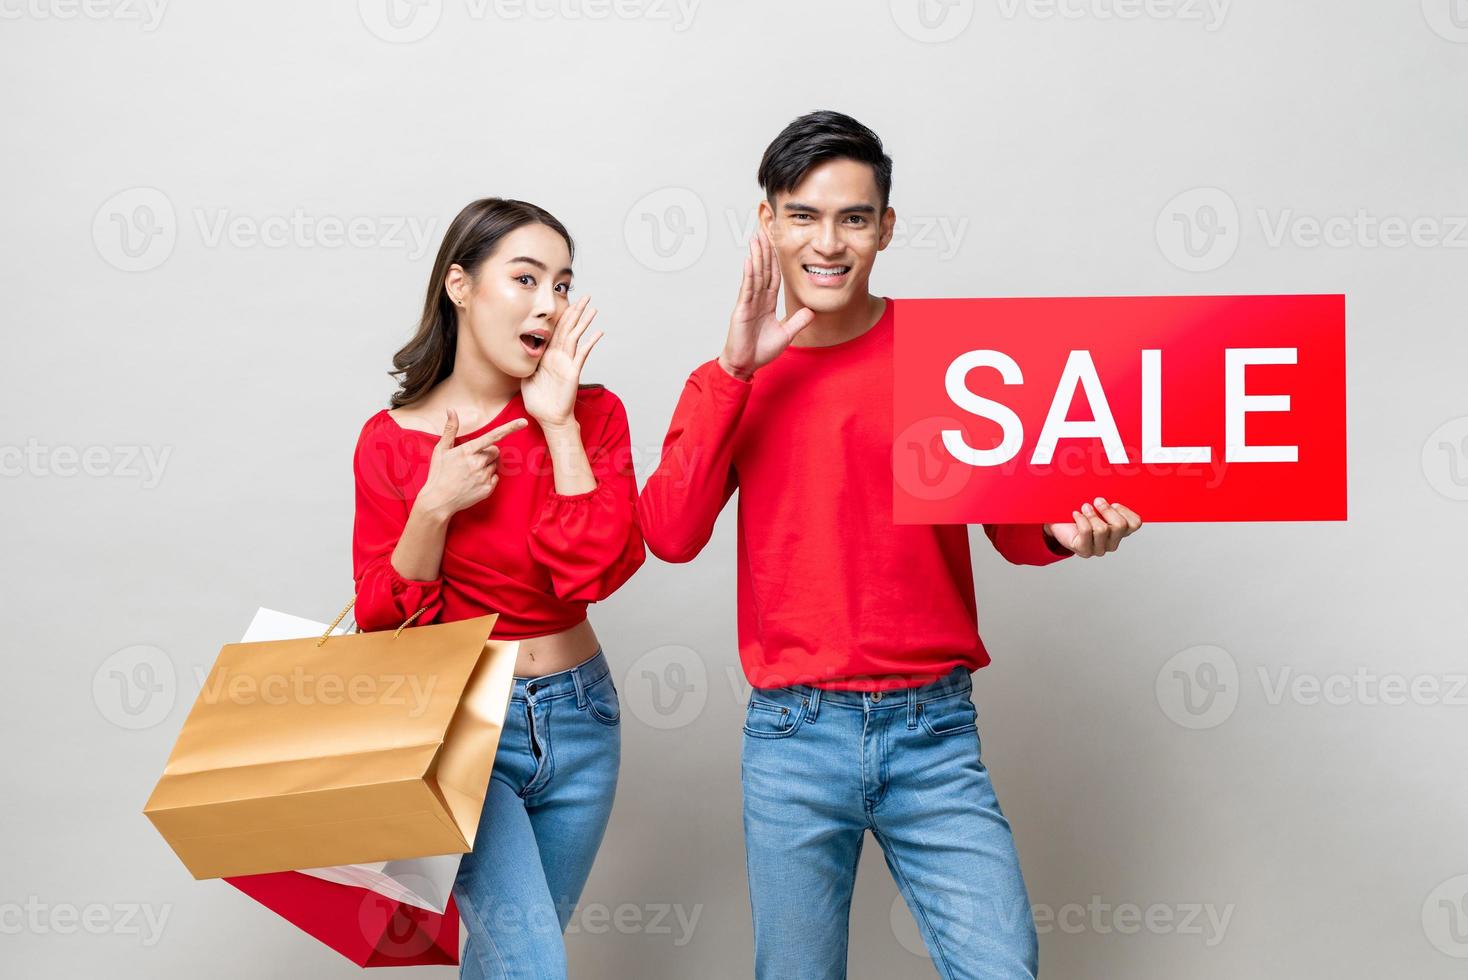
[490, 387]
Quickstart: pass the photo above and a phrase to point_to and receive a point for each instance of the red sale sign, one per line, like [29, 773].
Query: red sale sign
[1183, 408]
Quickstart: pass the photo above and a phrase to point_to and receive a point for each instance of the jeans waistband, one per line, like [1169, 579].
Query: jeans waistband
[959, 679]
[573, 680]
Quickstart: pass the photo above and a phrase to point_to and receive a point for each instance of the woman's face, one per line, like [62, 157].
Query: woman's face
[510, 306]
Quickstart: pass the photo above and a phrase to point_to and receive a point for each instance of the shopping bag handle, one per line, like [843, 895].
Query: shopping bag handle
[341, 615]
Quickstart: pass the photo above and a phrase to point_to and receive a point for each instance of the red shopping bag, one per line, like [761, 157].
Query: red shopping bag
[367, 928]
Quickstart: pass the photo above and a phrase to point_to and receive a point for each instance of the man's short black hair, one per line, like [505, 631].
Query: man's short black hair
[815, 138]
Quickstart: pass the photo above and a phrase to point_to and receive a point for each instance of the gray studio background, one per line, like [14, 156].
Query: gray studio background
[1231, 750]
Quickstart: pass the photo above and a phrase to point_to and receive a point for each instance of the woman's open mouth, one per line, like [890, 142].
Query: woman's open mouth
[827, 275]
[534, 341]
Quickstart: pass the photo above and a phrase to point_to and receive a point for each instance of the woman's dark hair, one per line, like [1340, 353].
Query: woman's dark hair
[815, 138]
[471, 238]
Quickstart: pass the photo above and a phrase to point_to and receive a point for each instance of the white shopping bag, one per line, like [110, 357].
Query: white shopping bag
[424, 882]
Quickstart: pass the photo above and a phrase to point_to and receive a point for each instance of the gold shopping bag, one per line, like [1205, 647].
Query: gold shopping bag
[343, 749]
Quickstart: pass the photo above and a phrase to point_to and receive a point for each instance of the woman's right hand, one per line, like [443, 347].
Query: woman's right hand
[461, 476]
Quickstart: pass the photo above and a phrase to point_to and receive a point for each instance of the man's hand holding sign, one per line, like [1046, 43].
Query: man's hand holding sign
[1096, 530]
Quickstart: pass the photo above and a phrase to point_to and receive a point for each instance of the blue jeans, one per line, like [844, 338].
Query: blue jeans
[549, 798]
[820, 768]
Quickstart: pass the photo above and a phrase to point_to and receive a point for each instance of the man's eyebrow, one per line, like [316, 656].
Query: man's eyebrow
[852, 209]
[538, 264]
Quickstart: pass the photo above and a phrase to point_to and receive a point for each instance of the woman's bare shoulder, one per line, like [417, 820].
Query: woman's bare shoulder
[416, 417]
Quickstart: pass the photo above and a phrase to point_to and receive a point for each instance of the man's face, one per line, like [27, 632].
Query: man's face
[827, 233]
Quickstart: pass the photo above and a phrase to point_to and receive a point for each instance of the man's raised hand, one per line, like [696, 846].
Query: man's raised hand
[756, 335]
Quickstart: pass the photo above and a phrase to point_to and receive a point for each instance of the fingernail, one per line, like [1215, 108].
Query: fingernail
[1100, 501]
[1087, 509]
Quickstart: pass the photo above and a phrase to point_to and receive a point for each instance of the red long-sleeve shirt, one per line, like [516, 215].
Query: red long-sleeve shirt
[830, 591]
[535, 556]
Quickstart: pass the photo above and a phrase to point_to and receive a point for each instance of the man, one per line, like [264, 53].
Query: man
[858, 635]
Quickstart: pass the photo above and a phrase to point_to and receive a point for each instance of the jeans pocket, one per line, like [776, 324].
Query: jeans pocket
[602, 702]
[774, 714]
[950, 715]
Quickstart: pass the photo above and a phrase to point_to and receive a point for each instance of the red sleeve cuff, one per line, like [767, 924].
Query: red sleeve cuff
[724, 383]
[385, 599]
[1056, 548]
[1024, 544]
[555, 497]
[402, 584]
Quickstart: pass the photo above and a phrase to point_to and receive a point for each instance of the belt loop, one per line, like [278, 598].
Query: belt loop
[911, 708]
[815, 703]
[580, 687]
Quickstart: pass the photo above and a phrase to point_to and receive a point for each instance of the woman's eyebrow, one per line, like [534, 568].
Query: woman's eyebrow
[538, 264]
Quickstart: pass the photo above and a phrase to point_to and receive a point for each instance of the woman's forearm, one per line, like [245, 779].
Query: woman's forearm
[572, 469]
[419, 553]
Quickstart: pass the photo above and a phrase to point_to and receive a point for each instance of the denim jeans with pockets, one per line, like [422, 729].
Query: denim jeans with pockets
[545, 813]
[820, 769]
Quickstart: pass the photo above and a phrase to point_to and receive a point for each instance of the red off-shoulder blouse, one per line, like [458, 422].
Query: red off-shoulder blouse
[534, 556]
